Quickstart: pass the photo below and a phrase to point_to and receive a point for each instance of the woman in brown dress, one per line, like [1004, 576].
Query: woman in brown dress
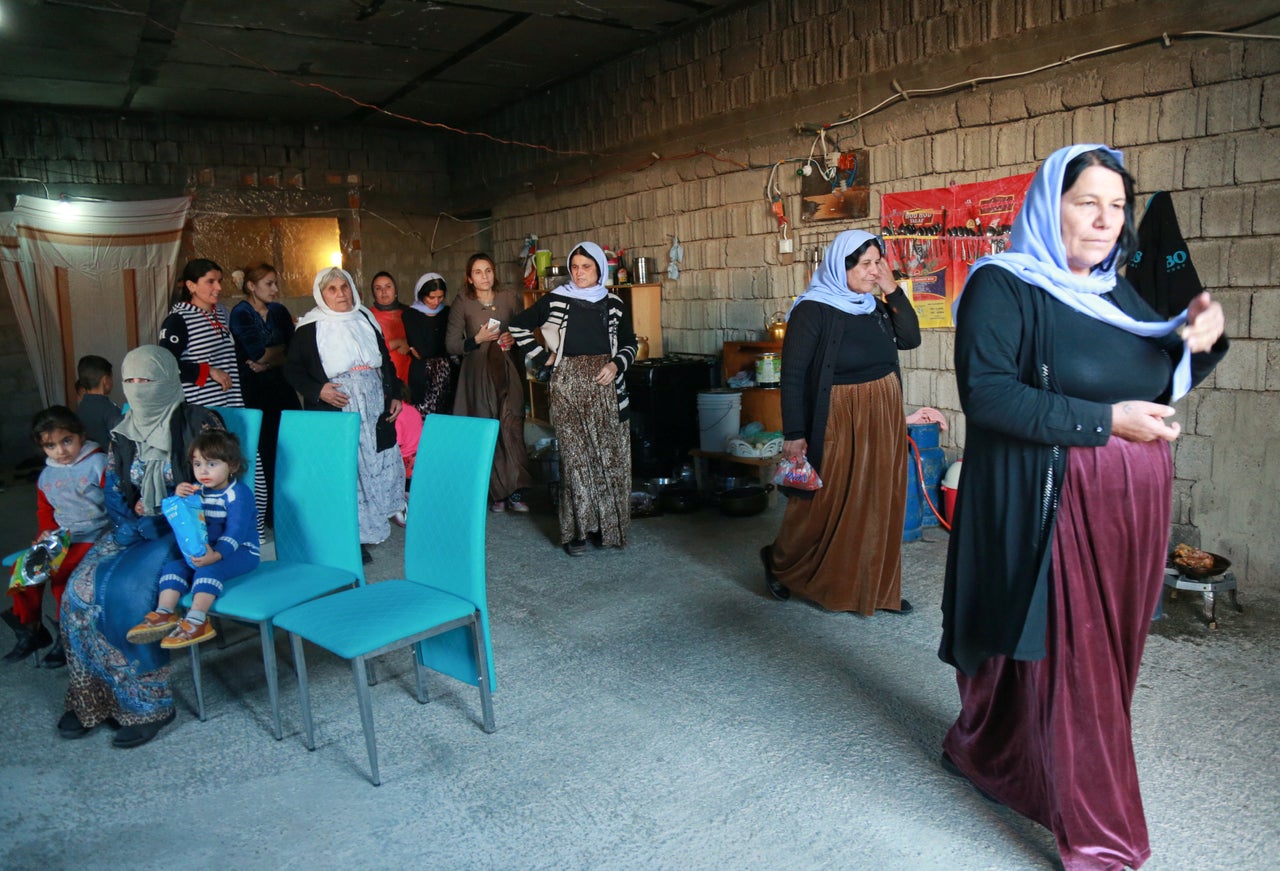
[491, 381]
[842, 408]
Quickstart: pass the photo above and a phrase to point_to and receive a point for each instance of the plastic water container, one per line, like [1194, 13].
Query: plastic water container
[911, 530]
[927, 436]
[718, 415]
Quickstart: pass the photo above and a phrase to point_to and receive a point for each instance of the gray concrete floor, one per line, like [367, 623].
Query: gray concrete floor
[655, 710]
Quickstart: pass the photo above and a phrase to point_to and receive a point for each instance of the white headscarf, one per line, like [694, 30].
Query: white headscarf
[597, 291]
[417, 300]
[152, 403]
[344, 339]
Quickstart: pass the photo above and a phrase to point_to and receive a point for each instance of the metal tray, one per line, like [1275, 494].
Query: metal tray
[1220, 565]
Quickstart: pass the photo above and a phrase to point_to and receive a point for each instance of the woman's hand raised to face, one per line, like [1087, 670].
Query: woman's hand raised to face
[332, 394]
[1205, 323]
[1137, 421]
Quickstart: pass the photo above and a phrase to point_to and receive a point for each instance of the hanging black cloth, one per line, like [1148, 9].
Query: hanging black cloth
[1161, 268]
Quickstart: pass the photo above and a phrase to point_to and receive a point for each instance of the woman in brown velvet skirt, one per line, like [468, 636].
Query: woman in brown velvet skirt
[491, 380]
[842, 408]
[1057, 550]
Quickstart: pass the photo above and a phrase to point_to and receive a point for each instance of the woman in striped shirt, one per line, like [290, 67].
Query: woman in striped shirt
[198, 332]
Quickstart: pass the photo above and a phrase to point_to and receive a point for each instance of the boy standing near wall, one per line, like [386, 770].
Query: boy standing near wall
[95, 409]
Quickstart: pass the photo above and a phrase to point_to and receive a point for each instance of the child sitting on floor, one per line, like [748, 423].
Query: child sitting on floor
[68, 496]
[232, 520]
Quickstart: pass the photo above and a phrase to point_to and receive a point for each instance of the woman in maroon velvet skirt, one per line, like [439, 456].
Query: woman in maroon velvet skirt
[1056, 558]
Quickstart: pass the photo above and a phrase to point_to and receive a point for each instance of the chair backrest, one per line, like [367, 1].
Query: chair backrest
[444, 543]
[314, 502]
[246, 423]
[448, 505]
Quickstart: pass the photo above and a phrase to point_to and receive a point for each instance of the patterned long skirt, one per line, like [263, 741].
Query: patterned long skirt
[1051, 738]
[595, 453]
[843, 547]
[380, 487]
[434, 377]
[110, 591]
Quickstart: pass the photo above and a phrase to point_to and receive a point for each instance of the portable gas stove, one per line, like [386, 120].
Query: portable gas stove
[1208, 583]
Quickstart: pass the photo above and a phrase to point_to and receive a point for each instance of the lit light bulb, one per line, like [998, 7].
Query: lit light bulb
[335, 259]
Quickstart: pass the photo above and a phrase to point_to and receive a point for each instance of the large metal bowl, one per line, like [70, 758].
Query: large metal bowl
[1220, 565]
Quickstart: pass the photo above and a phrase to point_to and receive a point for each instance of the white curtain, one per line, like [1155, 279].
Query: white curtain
[88, 278]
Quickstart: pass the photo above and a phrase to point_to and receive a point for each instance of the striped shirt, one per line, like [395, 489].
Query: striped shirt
[202, 340]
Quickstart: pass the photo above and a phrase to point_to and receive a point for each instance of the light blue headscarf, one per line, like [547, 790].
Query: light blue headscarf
[1037, 256]
[830, 284]
[597, 291]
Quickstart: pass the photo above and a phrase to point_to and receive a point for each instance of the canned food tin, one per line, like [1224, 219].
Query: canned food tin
[769, 370]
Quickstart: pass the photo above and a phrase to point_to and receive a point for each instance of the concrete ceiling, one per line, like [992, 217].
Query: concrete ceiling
[434, 60]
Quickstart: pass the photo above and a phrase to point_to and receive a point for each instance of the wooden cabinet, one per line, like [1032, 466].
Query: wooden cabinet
[644, 301]
[758, 403]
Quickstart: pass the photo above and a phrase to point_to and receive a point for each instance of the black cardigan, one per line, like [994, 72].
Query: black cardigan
[1018, 425]
[809, 352]
[305, 372]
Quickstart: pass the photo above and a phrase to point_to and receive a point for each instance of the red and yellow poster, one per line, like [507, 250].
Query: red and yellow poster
[932, 237]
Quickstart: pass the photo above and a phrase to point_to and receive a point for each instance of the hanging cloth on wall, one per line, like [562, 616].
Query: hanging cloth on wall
[1161, 268]
[111, 264]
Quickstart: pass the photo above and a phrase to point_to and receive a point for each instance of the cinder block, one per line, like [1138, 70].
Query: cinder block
[977, 148]
[1257, 156]
[1261, 57]
[1193, 457]
[1232, 106]
[744, 251]
[1051, 133]
[1273, 367]
[1180, 116]
[1264, 314]
[1166, 72]
[1227, 212]
[1266, 211]
[1208, 163]
[941, 115]
[1013, 144]
[1091, 124]
[912, 158]
[1135, 122]
[1219, 61]
[1250, 264]
[1122, 81]
[1082, 89]
[1244, 368]
[946, 152]
[1041, 98]
[974, 108]
[1008, 106]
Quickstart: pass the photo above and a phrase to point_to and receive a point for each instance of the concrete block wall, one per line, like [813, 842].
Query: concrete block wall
[1199, 118]
[253, 169]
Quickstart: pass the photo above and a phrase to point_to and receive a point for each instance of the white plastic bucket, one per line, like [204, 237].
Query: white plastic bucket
[718, 417]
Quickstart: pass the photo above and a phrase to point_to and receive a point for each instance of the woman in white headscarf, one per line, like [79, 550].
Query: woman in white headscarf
[111, 678]
[1057, 551]
[842, 408]
[432, 372]
[589, 405]
[339, 362]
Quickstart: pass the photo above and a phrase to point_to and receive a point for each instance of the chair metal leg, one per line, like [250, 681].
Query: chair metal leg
[482, 674]
[267, 632]
[420, 674]
[366, 714]
[371, 667]
[304, 692]
[197, 679]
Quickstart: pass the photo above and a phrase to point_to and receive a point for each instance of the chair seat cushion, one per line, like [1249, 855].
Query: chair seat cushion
[273, 586]
[355, 622]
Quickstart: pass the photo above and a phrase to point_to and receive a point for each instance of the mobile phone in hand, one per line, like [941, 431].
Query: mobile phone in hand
[493, 323]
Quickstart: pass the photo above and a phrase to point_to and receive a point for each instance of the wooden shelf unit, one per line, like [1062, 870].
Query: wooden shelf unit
[758, 403]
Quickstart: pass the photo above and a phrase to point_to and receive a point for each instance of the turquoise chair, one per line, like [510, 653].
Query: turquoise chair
[440, 607]
[246, 423]
[317, 534]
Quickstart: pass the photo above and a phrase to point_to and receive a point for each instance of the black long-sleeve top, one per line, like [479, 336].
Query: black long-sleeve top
[825, 346]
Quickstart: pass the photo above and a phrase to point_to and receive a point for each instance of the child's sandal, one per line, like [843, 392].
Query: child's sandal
[153, 627]
[188, 633]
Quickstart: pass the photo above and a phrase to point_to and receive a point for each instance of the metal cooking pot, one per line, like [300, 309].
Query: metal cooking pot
[745, 501]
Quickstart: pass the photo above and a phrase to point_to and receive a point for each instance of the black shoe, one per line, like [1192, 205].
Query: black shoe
[29, 641]
[776, 589]
[365, 556]
[596, 538]
[69, 726]
[57, 655]
[136, 736]
[904, 607]
[577, 547]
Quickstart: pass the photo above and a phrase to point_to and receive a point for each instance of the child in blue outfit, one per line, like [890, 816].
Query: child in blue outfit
[232, 520]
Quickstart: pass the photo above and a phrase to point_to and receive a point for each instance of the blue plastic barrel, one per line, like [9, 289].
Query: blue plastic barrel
[927, 436]
[911, 530]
